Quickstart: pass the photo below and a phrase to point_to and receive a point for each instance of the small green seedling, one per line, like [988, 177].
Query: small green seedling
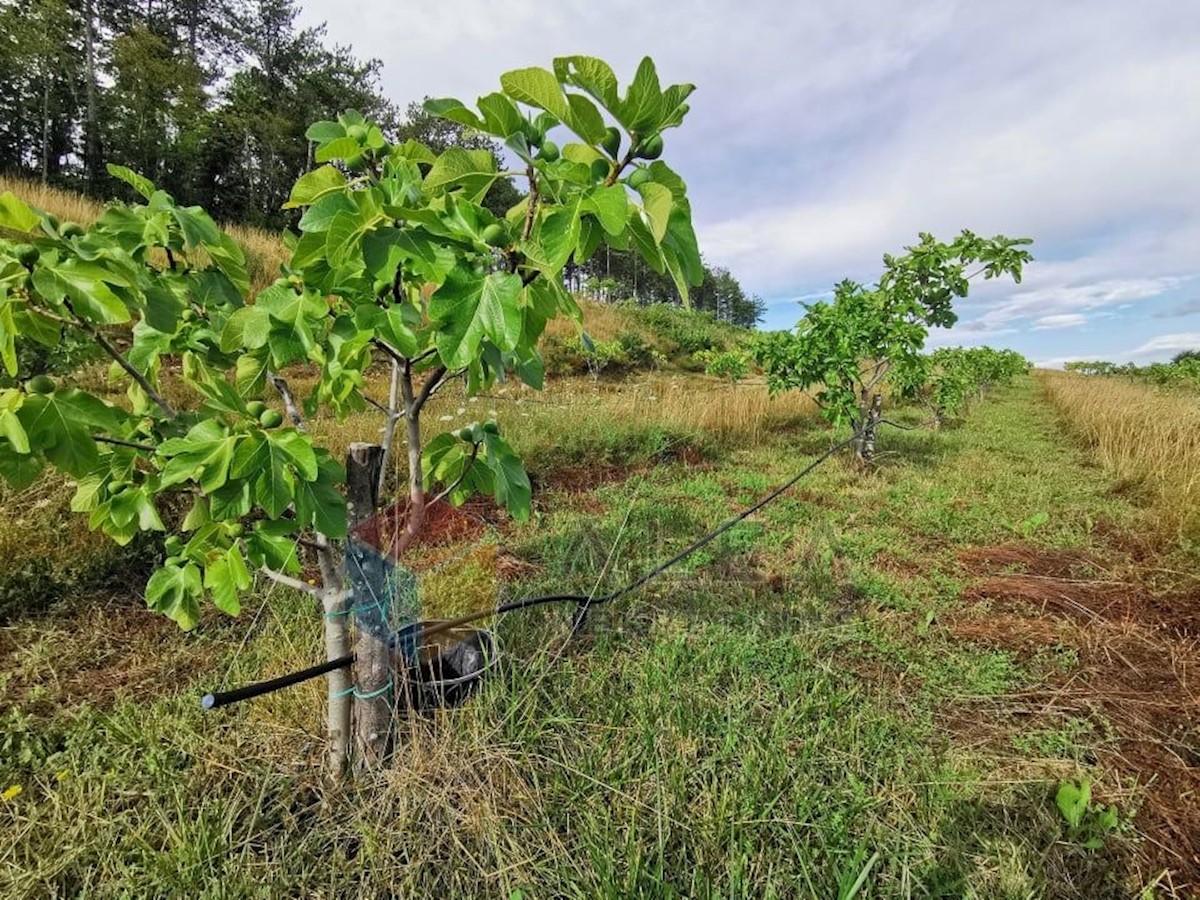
[1033, 523]
[1087, 823]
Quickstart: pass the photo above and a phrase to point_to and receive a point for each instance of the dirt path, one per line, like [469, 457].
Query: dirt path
[1134, 624]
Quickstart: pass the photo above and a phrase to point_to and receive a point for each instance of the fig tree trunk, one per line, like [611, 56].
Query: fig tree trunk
[373, 688]
[337, 644]
[868, 422]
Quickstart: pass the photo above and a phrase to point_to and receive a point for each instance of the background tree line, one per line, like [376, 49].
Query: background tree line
[210, 99]
[617, 275]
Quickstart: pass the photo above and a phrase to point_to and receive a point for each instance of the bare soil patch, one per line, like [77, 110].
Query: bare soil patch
[1139, 665]
[96, 651]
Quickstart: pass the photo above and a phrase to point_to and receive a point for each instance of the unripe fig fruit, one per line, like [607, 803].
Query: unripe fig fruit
[549, 151]
[27, 255]
[651, 147]
[533, 134]
[256, 408]
[270, 418]
[495, 235]
[40, 384]
[612, 141]
[638, 177]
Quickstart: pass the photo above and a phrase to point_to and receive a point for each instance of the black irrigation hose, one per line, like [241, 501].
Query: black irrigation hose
[249, 691]
[584, 602]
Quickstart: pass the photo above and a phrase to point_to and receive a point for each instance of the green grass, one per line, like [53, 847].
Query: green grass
[771, 719]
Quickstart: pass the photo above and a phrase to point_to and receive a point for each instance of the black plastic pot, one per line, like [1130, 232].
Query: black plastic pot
[443, 669]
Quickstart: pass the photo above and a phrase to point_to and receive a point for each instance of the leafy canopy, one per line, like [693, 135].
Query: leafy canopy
[848, 345]
[395, 258]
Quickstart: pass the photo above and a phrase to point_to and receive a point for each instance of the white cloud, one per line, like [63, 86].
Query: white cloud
[1157, 349]
[823, 135]
[1186, 308]
[966, 336]
[1164, 346]
[1068, 320]
[1061, 302]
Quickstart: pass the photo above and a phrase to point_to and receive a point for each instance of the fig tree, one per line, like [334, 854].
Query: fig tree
[270, 418]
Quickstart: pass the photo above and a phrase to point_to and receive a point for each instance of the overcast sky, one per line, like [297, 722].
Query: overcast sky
[824, 134]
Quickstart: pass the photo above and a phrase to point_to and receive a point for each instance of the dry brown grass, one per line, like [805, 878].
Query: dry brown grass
[1143, 436]
[264, 250]
[742, 413]
[602, 322]
[67, 205]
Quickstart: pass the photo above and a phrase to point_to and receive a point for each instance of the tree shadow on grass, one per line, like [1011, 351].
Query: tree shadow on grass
[922, 449]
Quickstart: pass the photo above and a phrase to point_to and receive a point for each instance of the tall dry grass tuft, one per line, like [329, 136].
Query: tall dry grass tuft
[264, 250]
[1138, 433]
[67, 205]
[602, 322]
[742, 413]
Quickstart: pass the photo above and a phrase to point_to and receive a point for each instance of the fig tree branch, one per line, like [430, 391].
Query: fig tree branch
[143, 382]
[616, 173]
[531, 211]
[101, 439]
[427, 389]
[289, 402]
[289, 581]
[445, 381]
